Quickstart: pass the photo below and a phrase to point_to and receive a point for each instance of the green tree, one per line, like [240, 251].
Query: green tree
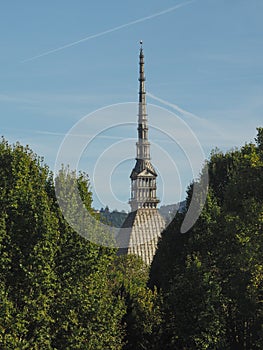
[211, 276]
[142, 318]
[55, 288]
[30, 230]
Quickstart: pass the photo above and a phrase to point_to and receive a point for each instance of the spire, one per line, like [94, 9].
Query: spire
[142, 97]
[143, 146]
[143, 176]
[142, 228]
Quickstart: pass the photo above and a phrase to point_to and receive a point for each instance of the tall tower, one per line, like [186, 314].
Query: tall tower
[143, 175]
[142, 228]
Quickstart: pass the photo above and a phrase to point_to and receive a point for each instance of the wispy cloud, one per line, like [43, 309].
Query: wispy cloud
[111, 30]
[234, 57]
[55, 133]
[14, 99]
[32, 97]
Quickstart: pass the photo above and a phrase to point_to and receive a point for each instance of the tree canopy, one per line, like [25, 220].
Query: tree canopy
[59, 290]
[211, 277]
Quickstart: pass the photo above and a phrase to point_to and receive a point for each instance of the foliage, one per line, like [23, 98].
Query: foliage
[55, 289]
[211, 277]
[58, 290]
[143, 315]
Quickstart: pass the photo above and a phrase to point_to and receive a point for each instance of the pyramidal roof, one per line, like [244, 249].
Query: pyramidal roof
[143, 167]
[140, 233]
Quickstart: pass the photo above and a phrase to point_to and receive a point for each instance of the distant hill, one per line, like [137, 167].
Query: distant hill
[168, 211]
[116, 218]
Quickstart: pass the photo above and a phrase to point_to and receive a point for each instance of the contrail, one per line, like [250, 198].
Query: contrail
[161, 13]
[184, 112]
[174, 106]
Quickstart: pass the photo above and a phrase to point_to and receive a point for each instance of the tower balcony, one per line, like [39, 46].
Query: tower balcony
[149, 203]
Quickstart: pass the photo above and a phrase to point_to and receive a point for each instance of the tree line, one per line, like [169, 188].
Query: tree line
[59, 290]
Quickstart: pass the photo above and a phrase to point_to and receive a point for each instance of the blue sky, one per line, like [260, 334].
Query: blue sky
[204, 57]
